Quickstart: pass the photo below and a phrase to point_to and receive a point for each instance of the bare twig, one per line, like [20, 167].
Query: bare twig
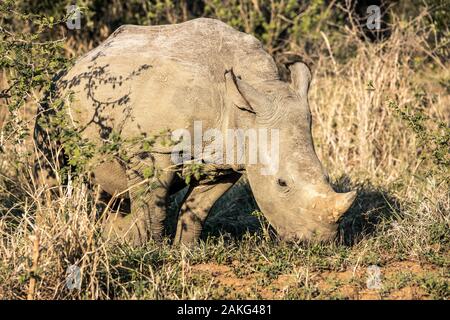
[34, 267]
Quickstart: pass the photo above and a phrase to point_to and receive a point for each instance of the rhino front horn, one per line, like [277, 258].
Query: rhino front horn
[343, 202]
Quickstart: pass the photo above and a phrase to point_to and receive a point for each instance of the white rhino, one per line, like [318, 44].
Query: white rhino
[144, 79]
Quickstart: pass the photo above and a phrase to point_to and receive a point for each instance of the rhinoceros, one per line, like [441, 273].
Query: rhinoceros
[144, 79]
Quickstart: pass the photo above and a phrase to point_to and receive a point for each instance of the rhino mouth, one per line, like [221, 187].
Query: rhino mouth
[322, 234]
[317, 222]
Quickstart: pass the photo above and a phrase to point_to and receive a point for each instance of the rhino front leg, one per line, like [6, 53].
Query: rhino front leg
[148, 205]
[196, 207]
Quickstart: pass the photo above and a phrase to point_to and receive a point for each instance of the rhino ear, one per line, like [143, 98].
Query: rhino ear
[300, 78]
[243, 95]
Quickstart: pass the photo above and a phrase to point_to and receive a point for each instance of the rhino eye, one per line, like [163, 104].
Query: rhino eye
[282, 182]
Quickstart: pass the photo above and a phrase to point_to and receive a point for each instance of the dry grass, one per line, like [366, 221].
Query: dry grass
[400, 214]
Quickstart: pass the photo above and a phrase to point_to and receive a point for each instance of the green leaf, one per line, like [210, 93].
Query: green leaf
[148, 172]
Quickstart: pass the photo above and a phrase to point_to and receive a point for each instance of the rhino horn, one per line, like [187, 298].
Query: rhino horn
[342, 202]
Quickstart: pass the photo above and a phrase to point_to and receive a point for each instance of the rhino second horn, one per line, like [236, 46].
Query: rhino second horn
[343, 202]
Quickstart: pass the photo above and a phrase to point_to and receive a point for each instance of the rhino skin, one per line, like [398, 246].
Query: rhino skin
[143, 79]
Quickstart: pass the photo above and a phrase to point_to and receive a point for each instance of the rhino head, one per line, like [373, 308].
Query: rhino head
[297, 200]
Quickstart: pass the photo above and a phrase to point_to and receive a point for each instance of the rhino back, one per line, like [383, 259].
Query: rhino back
[150, 78]
[204, 46]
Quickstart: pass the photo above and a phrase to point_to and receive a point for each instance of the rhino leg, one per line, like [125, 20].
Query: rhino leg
[196, 207]
[148, 205]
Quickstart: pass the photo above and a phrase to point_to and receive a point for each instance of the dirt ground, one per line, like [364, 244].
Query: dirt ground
[396, 282]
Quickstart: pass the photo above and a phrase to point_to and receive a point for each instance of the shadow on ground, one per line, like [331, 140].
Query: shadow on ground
[372, 206]
[232, 214]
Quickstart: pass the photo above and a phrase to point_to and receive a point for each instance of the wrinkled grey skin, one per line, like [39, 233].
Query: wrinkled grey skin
[144, 79]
